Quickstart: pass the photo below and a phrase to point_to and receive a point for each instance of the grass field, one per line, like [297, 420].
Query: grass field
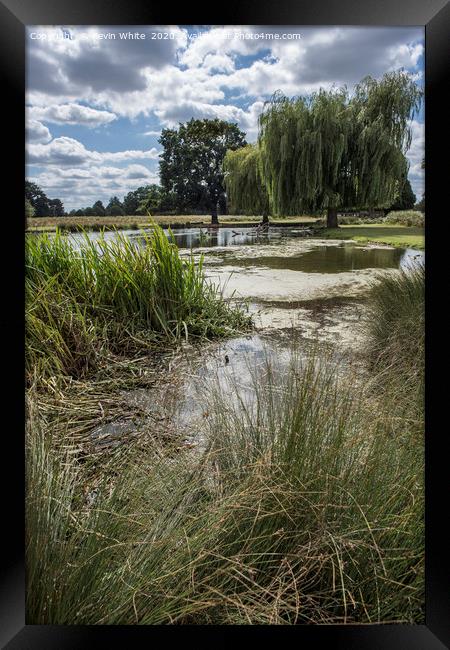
[403, 236]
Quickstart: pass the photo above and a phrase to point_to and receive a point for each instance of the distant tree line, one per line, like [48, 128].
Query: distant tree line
[145, 200]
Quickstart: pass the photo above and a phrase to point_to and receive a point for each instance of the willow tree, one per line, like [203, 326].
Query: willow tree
[246, 192]
[329, 150]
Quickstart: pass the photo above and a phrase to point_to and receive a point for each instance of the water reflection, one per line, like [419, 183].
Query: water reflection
[212, 237]
[336, 259]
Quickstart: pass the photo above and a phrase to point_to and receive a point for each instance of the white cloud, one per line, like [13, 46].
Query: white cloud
[86, 65]
[71, 114]
[151, 80]
[405, 55]
[217, 40]
[35, 132]
[119, 156]
[60, 151]
[218, 63]
[68, 151]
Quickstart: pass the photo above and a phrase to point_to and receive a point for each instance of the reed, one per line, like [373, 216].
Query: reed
[395, 328]
[115, 296]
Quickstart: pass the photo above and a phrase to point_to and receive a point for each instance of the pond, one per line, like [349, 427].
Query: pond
[310, 290]
[282, 274]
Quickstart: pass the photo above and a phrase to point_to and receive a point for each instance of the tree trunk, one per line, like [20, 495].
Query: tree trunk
[265, 217]
[214, 219]
[332, 221]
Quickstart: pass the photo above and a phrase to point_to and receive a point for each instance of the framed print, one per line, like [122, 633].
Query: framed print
[221, 324]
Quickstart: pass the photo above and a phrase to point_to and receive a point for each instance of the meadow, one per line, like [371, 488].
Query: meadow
[385, 233]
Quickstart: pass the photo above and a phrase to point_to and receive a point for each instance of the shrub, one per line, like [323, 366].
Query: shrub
[29, 210]
[406, 218]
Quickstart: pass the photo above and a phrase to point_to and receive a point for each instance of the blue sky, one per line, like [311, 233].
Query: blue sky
[97, 101]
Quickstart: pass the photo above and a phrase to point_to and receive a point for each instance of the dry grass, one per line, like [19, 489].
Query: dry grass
[305, 508]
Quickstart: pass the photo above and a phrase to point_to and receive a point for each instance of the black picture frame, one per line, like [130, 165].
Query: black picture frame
[14, 16]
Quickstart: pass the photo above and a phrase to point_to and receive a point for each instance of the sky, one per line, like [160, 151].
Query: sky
[97, 97]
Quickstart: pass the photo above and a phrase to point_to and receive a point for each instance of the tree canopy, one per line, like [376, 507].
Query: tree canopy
[147, 198]
[191, 162]
[331, 150]
[133, 200]
[41, 204]
[114, 207]
[98, 209]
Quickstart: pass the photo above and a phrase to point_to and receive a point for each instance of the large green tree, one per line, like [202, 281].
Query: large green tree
[246, 192]
[330, 150]
[56, 207]
[191, 162]
[38, 199]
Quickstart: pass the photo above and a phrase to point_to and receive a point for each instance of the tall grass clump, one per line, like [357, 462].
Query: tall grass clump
[304, 508]
[113, 295]
[406, 218]
[396, 337]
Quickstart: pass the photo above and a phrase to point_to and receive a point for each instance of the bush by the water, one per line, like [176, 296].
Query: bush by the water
[303, 509]
[352, 219]
[406, 218]
[114, 296]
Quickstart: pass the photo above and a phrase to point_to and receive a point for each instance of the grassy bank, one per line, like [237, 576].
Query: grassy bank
[50, 224]
[305, 507]
[114, 297]
[396, 338]
[394, 235]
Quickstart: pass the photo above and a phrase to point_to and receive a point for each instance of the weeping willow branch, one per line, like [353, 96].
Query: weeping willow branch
[327, 150]
[246, 192]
